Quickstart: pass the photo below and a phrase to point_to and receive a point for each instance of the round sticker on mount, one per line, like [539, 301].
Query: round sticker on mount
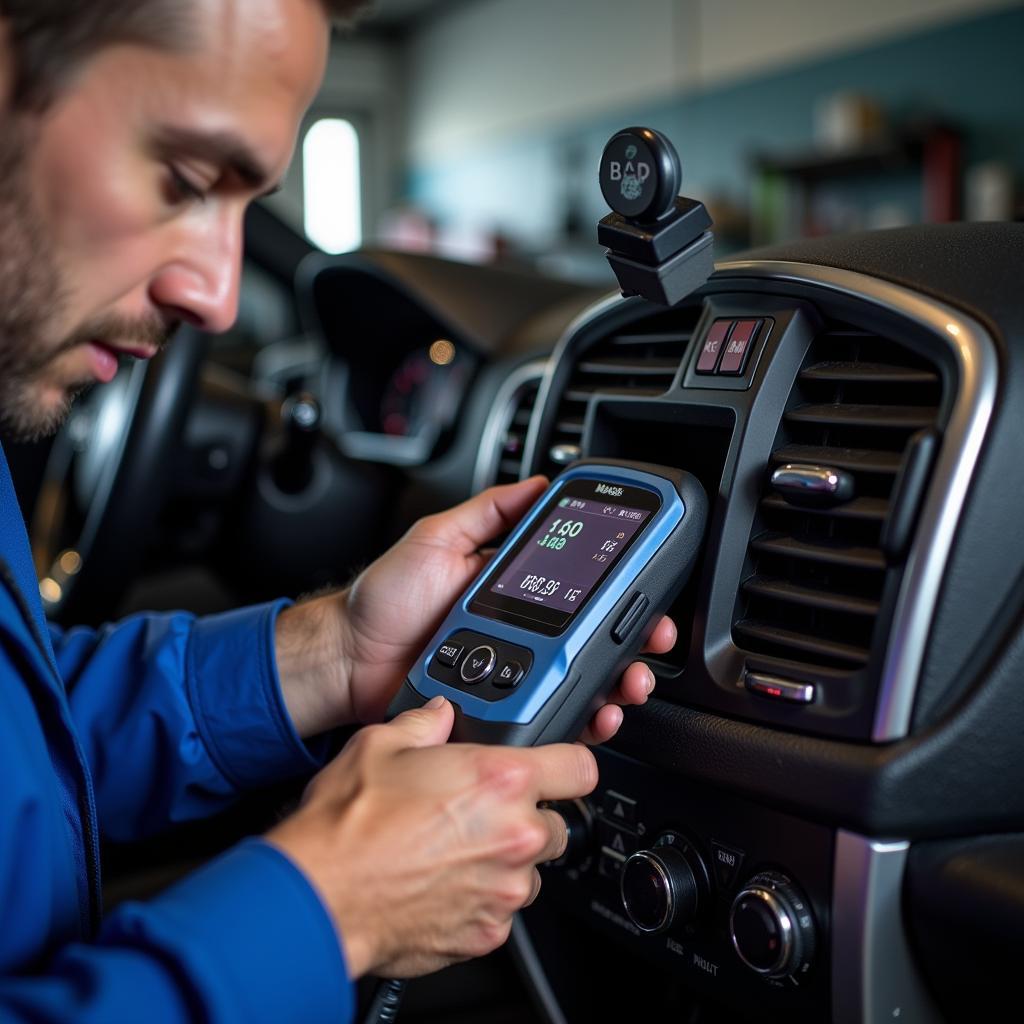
[640, 174]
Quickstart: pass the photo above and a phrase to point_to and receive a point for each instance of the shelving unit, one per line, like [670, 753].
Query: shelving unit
[787, 185]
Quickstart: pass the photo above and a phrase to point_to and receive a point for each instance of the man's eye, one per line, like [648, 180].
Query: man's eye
[182, 189]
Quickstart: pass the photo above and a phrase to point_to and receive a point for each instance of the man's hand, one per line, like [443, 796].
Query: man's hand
[384, 620]
[422, 851]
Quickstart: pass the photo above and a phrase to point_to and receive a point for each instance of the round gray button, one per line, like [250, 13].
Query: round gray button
[479, 664]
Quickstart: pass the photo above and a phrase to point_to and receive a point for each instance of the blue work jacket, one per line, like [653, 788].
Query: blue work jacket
[124, 731]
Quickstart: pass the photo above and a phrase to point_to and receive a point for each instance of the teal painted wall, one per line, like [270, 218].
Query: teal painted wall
[970, 72]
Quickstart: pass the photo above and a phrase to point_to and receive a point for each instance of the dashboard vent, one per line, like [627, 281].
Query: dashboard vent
[638, 362]
[513, 440]
[817, 574]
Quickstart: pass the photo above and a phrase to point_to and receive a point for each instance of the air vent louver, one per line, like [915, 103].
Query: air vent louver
[638, 362]
[513, 440]
[818, 573]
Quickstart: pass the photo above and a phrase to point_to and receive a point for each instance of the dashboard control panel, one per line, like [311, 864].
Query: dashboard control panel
[730, 897]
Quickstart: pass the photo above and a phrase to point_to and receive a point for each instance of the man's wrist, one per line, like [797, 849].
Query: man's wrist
[314, 663]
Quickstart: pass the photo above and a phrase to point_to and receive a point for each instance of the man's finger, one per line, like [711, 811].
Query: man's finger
[636, 686]
[535, 891]
[603, 726]
[663, 638]
[563, 770]
[428, 726]
[558, 835]
[469, 526]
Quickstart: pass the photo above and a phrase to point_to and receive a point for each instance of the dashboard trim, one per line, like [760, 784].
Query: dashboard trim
[873, 972]
[499, 419]
[977, 363]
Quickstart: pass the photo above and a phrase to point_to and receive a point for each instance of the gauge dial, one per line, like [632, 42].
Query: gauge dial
[422, 393]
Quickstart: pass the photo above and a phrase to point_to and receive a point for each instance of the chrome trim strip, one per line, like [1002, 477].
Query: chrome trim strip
[587, 317]
[499, 419]
[975, 355]
[873, 973]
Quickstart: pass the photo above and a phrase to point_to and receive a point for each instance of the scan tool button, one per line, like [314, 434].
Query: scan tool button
[479, 664]
[712, 349]
[509, 674]
[449, 653]
[630, 617]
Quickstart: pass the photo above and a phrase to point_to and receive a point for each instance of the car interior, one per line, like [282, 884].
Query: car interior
[832, 756]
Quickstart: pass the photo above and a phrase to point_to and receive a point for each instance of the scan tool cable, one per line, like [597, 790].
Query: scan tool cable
[386, 1001]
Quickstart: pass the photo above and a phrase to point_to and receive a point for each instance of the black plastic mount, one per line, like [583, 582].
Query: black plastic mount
[659, 244]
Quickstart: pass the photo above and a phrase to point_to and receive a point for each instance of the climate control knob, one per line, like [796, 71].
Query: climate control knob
[772, 928]
[665, 886]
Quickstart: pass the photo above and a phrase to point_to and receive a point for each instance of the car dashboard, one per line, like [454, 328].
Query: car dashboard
[839, 720]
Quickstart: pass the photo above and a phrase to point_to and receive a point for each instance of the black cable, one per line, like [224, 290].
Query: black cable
[386, 1001]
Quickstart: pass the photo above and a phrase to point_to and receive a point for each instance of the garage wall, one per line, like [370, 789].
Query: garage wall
[495, 66]
[510, 100]
[498, 66]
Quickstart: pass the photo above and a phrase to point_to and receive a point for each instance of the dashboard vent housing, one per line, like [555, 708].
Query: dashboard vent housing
[817, 577]
[513, 440]
[640, 361]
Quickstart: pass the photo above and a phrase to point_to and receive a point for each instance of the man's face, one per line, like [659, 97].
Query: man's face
[121, 206]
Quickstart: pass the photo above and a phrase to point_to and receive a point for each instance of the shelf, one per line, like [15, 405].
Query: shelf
[787, 184]
[814, 165]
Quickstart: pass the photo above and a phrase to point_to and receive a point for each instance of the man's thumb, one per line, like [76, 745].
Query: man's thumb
[428, 726]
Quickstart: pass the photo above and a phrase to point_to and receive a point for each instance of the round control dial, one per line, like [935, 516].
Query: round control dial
[665, 886]
[772, 928]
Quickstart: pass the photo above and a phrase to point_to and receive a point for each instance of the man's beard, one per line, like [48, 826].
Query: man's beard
[34, 300]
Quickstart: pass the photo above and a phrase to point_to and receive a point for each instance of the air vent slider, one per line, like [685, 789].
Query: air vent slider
[812, 486]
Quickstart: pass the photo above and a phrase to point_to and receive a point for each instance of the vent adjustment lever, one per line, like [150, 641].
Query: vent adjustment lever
[810, 486]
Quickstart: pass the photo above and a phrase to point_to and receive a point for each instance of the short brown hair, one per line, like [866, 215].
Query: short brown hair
[50, 38]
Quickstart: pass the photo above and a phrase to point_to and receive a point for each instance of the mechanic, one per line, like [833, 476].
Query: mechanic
[134, 134]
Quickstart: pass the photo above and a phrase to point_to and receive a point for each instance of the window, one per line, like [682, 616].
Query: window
[330, 160]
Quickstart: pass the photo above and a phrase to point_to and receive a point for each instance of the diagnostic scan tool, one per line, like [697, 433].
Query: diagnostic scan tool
[544, 633]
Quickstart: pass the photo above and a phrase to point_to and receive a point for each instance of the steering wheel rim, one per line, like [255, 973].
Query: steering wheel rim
[114, 456]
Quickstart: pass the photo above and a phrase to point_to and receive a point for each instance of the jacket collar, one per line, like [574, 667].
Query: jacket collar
[18, 575]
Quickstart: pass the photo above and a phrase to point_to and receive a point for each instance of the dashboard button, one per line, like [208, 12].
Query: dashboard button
[448, 654]
[630, 617]
[726, 863]
[741, 341]
[619, 808]
[712, 349]
[616, 839]
[479, 664]
[509, 674]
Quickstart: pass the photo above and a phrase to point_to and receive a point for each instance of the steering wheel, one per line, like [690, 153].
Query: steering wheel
[106, 478]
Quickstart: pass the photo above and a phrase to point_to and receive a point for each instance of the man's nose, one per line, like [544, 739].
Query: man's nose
[199, 285]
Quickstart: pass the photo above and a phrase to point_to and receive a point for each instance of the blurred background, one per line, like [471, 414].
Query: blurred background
[473, 128]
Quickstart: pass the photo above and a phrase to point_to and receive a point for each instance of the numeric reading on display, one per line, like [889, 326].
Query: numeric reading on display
[567, 554]
[559, 532]
[540, 585]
